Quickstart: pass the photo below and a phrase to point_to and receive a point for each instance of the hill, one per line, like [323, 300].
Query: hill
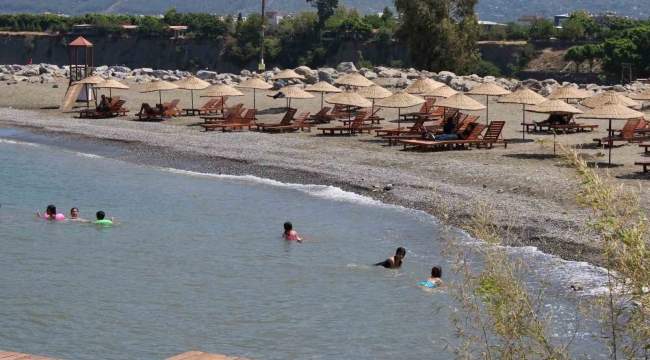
[493, 10]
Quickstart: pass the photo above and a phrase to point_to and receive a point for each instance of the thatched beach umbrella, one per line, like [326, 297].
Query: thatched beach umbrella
[255, 83]
[374, 92]
[612, 111]
[400, 100]
[461, 102]
[568, 93]
[222, 90]
[353, 79]
[111, 84]
[287, 75]
[159, 86]
[192, 83]
[609, 97]
[423, 85]
[524, 97]
[323, 87]
[294, 92]
[488, 89]
[348, 98]
[87, 83]
[441, 92]
[642, 96]
[558, 107]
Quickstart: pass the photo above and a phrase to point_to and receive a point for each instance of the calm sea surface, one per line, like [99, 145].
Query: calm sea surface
[198, 263]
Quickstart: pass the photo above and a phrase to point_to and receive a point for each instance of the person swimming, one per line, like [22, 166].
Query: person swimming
[289, 233]
[101, 221]
[74, 216]
[394, 262]
[51, 214]
[434, 280]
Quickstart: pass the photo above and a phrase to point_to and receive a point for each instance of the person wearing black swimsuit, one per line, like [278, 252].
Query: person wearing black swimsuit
[394, 262]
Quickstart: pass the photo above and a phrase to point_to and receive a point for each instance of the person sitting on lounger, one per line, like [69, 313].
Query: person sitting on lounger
[147, 109]
[394, 262]
[556, 119]
[104, 104]
[289, 233]
[279, 95]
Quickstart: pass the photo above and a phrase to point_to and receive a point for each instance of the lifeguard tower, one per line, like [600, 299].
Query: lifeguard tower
[81, 58]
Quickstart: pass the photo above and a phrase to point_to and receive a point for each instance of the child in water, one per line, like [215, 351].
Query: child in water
[434, 280]
[394, 262]
[101, 221]
[51, 214]
[289, 233]
[74, 216]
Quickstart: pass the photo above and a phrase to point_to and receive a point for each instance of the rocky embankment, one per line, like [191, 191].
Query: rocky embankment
[397, 78]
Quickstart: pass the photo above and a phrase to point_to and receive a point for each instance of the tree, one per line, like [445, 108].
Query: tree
[591, 29]
[542, 29]
[387, 14]
[593, 52]
[324, 8]
[441, 34]
[172, 17]
[576, 55]
[515, 31]
[572, 30]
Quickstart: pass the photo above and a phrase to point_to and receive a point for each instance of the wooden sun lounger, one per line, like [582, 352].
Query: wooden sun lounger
[238, 124]
[357, 126]
[237, 109]
[93, 112]
[205, 108]
[286, 120]
[627, 134]
[424, 110]
[645, 165]
[171, 108]
[219, 106]
[299, 124]
[471, 139]
[321, 116]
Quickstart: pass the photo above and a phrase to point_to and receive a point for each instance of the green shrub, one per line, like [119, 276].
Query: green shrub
[396, 64]
[487, 68]
[364, 64]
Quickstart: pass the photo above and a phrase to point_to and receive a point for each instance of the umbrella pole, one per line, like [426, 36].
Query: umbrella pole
[523, 127]
[160, 97]
[554, 142]
[399, 119]
[110, 93]
[487, 111]
[254, 99]
[611, 143]
[322, 97]
[192, 92]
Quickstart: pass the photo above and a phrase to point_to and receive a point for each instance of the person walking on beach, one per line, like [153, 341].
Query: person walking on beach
[434, 280]
[51, 214]
[393, 262]
[289, 233]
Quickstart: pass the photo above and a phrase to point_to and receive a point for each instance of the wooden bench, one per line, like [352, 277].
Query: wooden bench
[576, 127]
[646, 148]
[645, 165]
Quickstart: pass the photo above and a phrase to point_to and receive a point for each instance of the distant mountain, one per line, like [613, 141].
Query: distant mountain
[493, 10]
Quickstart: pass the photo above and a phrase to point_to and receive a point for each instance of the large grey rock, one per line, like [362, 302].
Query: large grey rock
[413, 75]
[29, 71]
[370, 75]
[120, 69]
[548, 82]
[545, 90]
[268, 75]
[489, 79]
[532, 84]
[446, 77]
[460, 84]
[147, 71]
[326, 74]
[101, 69]
[182, 74]
[311, 78]
[19, 78]
[279, 84]
[160, 73]
[302, 70]
[119, 75]
[619, 88]
[402, 83]
[346, 67]
[6, 77]
[379, 69]
[205, 75]
[170, 78]
[46, 78]
[474, 78]
[245, 72]
[390, 73]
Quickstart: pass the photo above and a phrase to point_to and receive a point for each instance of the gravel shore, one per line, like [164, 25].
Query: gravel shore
[527, 187]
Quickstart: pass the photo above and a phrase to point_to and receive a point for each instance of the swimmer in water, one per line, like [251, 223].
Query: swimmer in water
[51, 214]
[74, 215]
[394, 262]
[289, 233]
[101, 221]
[434, 280]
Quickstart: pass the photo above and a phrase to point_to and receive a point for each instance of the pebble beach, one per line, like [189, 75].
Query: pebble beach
[529, 189]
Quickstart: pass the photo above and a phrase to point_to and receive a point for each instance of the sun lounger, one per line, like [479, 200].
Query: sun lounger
[205, 108]
[286, 120]
[219, 106]
[472, 139]
[321, 116]
[171, 108]
[424, 110]
[238, 124]
[92, 112]
[233, 111]
[627, 134]
[645, 165]
[299, 124]
[357, 126]
[116, 109]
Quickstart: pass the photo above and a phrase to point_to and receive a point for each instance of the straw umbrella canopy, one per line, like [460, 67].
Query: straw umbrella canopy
[423, 85]
[555, 107]
[255, 83]
[488, 89]
[400, 100]
[287, 74]
[192, 83]
[222, 90]
[441, 92]
[612, 111]
[642, 96]
[524, 97]
[323, 87]
[353, 79]
[87, 82]
[111, 84]
[348, 98]
[568, 92]
[294, 92]
[159, 86]
[608, 97]
[461, 102]
[374, 92]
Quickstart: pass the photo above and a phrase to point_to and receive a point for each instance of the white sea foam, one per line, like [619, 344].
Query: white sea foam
[14, 142]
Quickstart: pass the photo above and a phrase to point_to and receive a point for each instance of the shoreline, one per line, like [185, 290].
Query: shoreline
[451, 202]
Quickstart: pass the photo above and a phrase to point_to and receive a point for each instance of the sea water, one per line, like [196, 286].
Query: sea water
[197, 262]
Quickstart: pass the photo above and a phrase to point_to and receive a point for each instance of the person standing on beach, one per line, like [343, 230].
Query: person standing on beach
[394, 262]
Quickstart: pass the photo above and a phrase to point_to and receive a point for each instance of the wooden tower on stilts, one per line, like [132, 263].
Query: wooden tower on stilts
[81, 60]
